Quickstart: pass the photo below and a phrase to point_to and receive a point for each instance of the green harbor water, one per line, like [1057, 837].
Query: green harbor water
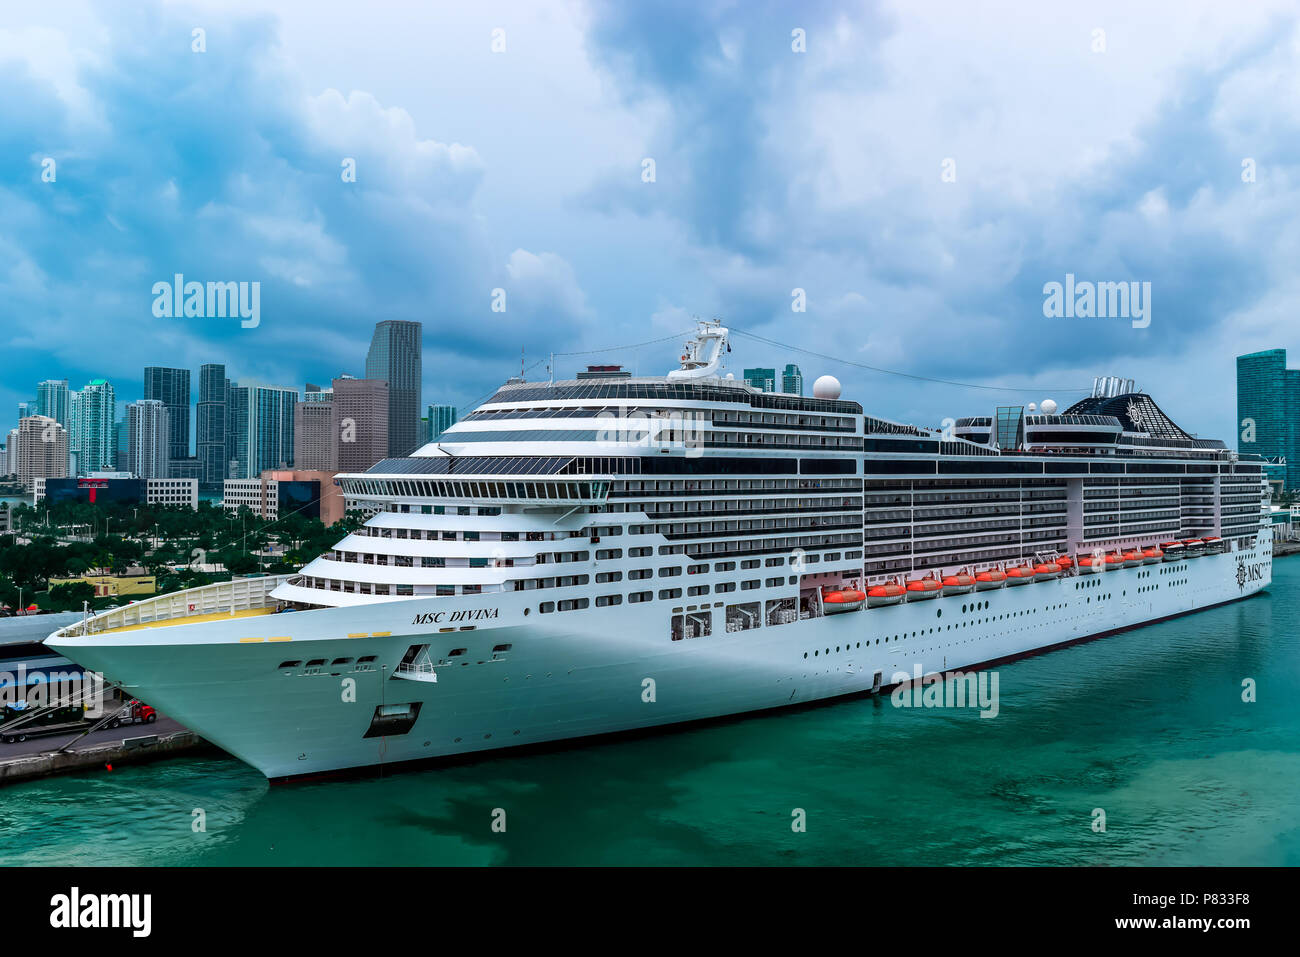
[1148, 726]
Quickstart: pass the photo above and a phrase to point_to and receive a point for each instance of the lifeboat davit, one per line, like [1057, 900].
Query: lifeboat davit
[846, 599]
[1020, 575]
[923, 588]
[1114, 561]
[1173, 550]
[890, 593]
[1088, 567]
[1152, 555]
[1132, 559]
[1046, 571]
[993, 578]
[958, 584]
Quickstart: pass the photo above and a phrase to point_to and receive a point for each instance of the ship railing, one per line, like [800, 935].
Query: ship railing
[240, 594]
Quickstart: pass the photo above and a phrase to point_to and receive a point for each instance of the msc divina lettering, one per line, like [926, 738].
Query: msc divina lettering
[520, 579]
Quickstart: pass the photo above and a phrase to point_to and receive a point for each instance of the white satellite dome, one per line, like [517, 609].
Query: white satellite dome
[1049, 407]
[1031, 407]
[827, 387]
[730, 376]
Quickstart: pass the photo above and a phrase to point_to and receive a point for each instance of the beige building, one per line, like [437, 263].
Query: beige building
[360, 423]
[38, 449]
[313, 436]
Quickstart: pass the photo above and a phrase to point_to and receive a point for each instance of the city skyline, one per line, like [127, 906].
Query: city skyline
[366, 193]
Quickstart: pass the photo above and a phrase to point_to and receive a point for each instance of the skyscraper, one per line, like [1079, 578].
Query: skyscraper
[149, 438]
[313, 433]
[95, 409]
[1268, 403]
[210, 425]
[438, 421]
[38, 448]
[52, 400]
[237, 431]
[172, 388]
[265, 418]
[792, 380]
[764, 379]
[395, 357]
[360, 423]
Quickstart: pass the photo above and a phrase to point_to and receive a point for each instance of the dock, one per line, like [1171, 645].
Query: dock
[104, 756]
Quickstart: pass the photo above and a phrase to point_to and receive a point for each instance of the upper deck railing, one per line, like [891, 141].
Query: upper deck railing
[240, 594]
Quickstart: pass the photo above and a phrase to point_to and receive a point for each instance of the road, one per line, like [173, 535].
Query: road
[164, 725]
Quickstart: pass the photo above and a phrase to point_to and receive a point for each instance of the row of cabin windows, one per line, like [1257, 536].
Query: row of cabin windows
[318, 662]
[442, 509]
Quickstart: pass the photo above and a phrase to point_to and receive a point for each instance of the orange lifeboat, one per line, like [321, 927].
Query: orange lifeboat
[1132, 559]
[1020, 575]
[923, 588]
[1173, 550]
[1089, 567]
[993, 578]
[1213, 544]
[1114, 561]
[1152, 555]
[1046, 571]
[891, 593]
[846, 599]
[1194, 547]
[958, 584]
[1065, 562]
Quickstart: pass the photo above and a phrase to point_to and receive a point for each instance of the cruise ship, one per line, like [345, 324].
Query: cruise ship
[611, 553]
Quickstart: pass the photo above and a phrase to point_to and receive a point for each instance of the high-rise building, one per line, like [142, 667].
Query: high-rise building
[1268, 403]
[149, 438]
[264, 428]
[52, 400]
[93, 415]
[764, 379]
[360, 423]
[172, 388]
[39, 449]
[438, 421]
[313, 433]
[394, 357]
[210, 425]
[237, 431]
[792, 380]
[122, 445]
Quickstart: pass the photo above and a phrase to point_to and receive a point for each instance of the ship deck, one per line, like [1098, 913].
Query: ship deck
[190, 620]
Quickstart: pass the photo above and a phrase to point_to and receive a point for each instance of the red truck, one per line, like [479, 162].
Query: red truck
[136, 712]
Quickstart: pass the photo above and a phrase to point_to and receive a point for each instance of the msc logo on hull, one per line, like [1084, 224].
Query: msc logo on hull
[1249, 573]
[439, 617]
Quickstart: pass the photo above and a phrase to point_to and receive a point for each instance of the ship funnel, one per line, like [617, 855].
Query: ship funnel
[1109, 386]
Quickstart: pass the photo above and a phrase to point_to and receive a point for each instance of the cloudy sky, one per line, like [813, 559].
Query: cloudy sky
[919, 170]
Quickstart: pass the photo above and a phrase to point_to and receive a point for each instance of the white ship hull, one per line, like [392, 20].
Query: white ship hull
[577, 674]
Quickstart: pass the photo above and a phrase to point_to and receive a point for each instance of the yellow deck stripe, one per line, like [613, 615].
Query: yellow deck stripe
[245, 640]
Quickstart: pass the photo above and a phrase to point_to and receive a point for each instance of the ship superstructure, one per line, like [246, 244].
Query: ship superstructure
[603, 554]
